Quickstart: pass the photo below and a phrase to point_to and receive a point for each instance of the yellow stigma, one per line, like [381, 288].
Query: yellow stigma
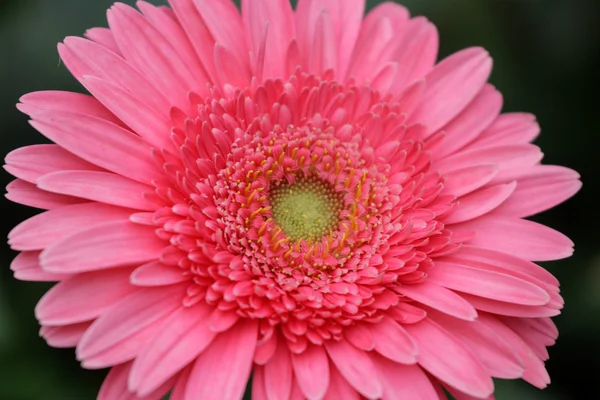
[307, 209]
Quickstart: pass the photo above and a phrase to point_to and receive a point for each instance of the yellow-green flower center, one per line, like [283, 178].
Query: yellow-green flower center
[307, 209]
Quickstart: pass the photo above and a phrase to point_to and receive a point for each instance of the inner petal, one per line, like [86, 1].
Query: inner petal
[307, 209]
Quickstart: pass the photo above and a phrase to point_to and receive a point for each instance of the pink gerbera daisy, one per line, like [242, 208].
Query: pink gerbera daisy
[304, 196]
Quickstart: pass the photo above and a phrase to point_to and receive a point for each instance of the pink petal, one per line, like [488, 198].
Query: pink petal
[128, 317]
[311, 369]
[356, 367]
[509, 129]
[480, 202]
[229, 72]
[156, 273]
[360, 336]
[279, 17]
[54, 100]
[104, 37]
[507, 158]
[104, 187]
[84, 57]
[487, 283]
[115, 386]
[225, 366]
[197, 32]
[465, 180]
[542, 188]
[26, 267]
[392, 341]
[445, 358]
[467, 126]
[439, 298]
[134, 112]
[157, 60]
[535, 373]
[346, 18]
[31, 162]
[403, 381]
[518, 237]
[339, 388]
[278, 373]
[537, 341]
[459, 77]
[224, 22]
[258, 383]
[496, 355]
[178, 391]
[83, 297]
[99, 142]
[104, 246]
[185, 335]
[323, 55]
[416, 53]
[46, 228]
[27, 194]
[166, 22]
[64, 336]
[265, 350]
[511, 309]
[506, 262]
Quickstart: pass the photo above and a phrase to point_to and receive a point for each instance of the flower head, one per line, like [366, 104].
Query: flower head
[302, 194]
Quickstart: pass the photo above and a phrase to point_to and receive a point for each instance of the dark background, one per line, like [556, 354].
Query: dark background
[546, 56]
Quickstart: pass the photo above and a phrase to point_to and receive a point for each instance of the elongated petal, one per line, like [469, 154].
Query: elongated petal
[518, 237]
[104, 246]
[55, 100]
[487, 283]
[496, 355]
[115, 386]
[40, 231]
[356, 367]
[128, 317]
[225, 366]
[156, 273]
[392, 341]
[535, 372]
[278, 373]
[158, 60]
[31, 162]
[445, 358]
[403, 381]
[543, 187]
[469, 124]
[460, 77]
[311, 370]
[104, 187]
[134, 112]
[99, 142]
[26, 266]
[509, 129]
[480, 202]
[185, 335]
[465, 180]
[30, 195]
[339, 388]
[441, 299]
[504, 261]
[64, 336]
[83, 297]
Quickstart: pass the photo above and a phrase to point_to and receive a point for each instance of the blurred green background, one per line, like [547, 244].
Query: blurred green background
[546, 56]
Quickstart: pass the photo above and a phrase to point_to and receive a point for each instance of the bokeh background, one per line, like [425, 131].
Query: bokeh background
[546, 56]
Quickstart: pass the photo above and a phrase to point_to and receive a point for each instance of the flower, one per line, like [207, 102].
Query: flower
[305, 195]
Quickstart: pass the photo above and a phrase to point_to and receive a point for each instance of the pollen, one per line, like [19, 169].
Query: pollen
[307, 209]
